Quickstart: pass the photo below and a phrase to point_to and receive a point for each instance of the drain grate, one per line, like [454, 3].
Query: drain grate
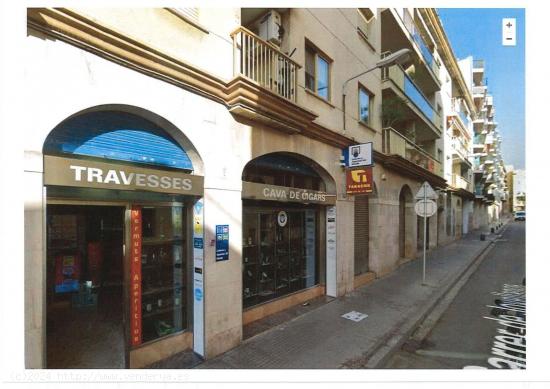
[354, 316]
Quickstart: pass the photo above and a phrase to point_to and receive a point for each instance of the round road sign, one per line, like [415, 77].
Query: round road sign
[428, 206]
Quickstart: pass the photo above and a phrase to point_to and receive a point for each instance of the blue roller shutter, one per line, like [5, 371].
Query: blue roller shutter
[117, 136]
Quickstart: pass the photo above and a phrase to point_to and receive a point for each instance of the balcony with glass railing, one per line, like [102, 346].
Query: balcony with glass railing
[394, 143]
[459, 112]
[478, 190]
[263, 62]
[479, 64]
[404, 83]
[417, 38]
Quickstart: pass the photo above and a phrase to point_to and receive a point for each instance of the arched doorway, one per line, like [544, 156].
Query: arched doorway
[288, 218]
[121, 194]
[405, 221]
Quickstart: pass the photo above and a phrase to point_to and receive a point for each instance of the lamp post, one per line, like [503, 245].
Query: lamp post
[398, 57]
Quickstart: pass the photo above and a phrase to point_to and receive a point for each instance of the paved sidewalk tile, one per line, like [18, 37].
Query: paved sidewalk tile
[323, 339]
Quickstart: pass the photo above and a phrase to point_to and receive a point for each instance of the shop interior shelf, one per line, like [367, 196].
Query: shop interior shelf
[158, 241]
[158, 312]
[161, 289]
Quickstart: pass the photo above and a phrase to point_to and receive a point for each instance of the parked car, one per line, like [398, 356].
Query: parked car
[519, 215]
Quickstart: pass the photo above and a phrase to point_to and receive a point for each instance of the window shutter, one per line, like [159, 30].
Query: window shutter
[361, 234]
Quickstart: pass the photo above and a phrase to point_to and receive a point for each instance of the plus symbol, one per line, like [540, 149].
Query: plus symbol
[509, 25]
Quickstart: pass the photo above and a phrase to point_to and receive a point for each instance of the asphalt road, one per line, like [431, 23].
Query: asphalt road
[462, 337]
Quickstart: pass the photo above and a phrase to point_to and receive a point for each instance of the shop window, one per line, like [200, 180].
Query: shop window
[280, 238]
[163, 272]
[317, 70]
[278, 258]
[365, 105]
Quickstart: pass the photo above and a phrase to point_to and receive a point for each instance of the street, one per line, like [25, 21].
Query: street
[464, 336]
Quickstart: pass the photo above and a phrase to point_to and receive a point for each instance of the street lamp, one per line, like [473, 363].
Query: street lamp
[398, 57]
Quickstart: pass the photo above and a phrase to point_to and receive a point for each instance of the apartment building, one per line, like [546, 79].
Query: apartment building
[489, 169]
[184, 178]
[518, 192]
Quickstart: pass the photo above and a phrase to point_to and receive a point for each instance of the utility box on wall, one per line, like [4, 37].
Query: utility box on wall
[268, 27]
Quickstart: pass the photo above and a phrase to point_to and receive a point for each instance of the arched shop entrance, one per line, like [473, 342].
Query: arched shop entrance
[289, 229]
[121, 202]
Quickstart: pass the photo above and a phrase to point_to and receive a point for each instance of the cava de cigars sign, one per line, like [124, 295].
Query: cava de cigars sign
[252, 190]
[104, 175]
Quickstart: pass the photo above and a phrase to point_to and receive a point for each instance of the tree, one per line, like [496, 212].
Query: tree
[394, 109]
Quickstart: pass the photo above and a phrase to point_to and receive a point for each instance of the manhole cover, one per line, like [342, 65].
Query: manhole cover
[354, 316]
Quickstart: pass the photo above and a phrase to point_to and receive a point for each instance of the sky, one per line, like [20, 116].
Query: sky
[478, 32]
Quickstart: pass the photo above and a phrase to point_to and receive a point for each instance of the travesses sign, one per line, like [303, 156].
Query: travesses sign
[252, 190]
[104, 175]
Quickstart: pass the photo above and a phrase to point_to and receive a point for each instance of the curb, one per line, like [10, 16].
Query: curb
[401, 332]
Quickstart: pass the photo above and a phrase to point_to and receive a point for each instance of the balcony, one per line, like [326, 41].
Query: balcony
[479, 91]
[460, 147]
[264, 86]
[264, 63]
[459, 182]
[479, 64]
[400, 30]
[417, 38]
[395, 143]
[418, 102]
[479, 190]
[478, 70]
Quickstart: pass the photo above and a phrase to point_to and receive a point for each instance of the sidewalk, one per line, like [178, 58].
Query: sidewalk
[395, 304]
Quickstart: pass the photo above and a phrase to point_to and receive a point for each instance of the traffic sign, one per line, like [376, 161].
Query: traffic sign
[425, 208]
[358, 155]
[426, 192]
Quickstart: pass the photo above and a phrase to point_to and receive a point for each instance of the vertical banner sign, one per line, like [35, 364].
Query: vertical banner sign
[222, 242]
[198, 278]
[135, 276]
[331, 251]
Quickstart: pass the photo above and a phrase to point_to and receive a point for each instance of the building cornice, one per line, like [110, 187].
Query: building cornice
[447, 55]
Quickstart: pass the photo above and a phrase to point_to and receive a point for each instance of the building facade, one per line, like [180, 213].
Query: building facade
[184, 179]
[489, 172]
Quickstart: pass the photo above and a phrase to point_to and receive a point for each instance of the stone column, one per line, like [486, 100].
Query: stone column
[222, 280]
[35, 264]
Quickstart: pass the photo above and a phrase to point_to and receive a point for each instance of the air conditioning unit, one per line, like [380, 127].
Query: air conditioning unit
[268, 27]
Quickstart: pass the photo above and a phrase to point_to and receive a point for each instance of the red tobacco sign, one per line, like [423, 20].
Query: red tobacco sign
[359, 180]
[135, 277]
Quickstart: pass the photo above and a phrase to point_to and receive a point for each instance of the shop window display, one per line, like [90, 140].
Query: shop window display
[163, 272]
[278, 258]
